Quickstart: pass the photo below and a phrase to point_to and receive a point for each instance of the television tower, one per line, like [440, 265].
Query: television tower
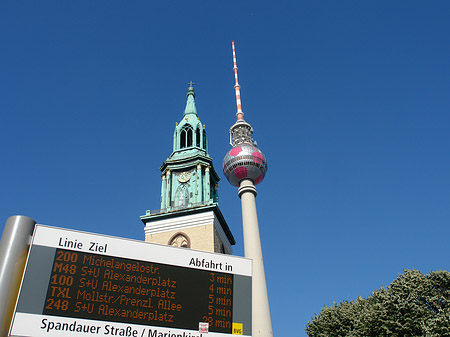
[245, 166]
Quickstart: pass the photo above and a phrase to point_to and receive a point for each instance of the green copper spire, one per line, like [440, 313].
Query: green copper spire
[190, 104]
[189, 178]
[189, 133]
[189, 215]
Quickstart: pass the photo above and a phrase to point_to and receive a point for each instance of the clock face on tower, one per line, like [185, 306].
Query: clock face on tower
[184, 177]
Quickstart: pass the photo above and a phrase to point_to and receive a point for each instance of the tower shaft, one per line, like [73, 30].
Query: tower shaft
[262, 323]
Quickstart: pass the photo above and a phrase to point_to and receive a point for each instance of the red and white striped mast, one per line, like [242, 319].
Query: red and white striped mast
[237, 87]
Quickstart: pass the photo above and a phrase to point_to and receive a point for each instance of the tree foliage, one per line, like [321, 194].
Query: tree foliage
[414, 304]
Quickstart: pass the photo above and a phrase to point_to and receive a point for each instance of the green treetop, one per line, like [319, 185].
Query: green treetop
[412, 305]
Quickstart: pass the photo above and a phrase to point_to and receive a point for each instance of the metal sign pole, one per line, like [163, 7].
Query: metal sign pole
[13, 254]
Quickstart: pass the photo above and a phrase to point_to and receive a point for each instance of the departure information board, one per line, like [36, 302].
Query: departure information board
[80, 283]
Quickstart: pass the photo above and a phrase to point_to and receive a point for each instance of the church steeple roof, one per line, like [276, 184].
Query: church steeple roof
[190, 136]
[190, 104]
[189, 167]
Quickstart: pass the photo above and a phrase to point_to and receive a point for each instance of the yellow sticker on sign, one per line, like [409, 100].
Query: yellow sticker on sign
[238, 329]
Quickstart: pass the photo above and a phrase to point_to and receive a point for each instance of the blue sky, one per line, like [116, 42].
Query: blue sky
[349, 101]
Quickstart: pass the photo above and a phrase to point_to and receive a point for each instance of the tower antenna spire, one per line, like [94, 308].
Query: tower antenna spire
[239, 113]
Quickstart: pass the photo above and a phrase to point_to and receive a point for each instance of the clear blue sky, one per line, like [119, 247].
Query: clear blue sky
[349, 101]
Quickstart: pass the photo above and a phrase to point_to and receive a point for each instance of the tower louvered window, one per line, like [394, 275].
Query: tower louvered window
[204, 139]
[189, 137]
[197, 137]
[186, 137]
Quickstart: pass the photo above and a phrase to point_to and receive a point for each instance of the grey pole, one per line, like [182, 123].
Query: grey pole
[262, 323]
[13, 254]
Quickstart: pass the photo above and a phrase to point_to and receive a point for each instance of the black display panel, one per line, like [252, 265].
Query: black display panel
[105, 288]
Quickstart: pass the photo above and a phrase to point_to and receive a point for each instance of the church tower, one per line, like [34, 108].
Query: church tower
[189, 215]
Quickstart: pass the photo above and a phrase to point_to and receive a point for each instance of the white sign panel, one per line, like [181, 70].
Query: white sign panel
[78, 283]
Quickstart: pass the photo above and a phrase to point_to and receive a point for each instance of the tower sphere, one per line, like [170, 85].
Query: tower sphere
[244, 161]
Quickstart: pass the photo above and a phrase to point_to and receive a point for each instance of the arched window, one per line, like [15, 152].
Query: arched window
[183, 139]
[189, 137]
[186, 137]
[197, 137]
[180, 240]
[204, 139]
[182, 196]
